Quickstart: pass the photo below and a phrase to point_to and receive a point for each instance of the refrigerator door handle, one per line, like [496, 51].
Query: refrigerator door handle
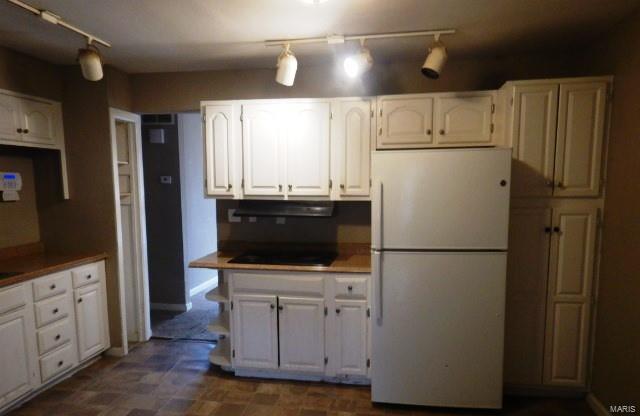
[377, 216]
[377, 282]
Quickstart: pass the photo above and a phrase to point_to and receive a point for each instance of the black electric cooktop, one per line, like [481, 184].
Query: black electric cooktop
[288, 258]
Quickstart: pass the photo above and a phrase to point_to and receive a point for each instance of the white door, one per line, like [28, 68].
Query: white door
[38, 121]
[440, 199]
[581, 113]
[405, 122]
[218, 137]
[10, 128]
[263, 149]
[527, 272]
[255, 331]
[353, 150]
[301, 327]
[307, 130]
[569, 297]
[90, 320]
[351, 331]
[463, 120]
[535, 112]
[438, 328]
[17, 355]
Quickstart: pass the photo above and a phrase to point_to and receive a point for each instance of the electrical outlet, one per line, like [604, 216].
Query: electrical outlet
[281, 220]
[233, 218]
[253, 219]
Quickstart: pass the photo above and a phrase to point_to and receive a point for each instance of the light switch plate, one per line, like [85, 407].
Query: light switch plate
[233, 218]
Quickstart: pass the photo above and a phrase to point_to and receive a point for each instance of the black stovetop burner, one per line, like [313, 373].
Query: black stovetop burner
[288, 258]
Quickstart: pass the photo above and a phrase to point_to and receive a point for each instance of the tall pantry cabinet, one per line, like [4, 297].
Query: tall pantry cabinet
[557, 131]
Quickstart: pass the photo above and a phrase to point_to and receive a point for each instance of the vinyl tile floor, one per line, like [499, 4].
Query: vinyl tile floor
[174, 378]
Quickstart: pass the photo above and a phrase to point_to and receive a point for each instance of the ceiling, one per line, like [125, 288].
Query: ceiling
[186, 35]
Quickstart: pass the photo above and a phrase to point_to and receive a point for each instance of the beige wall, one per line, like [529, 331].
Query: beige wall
[28, 75]
[118, 89]
[175, 92]
[616, 372]
[19, 220]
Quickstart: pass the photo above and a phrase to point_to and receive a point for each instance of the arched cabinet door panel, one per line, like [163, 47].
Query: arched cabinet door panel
[463, 119]
[405, 122]
[38, 122]
[218, 137]
[10, 118]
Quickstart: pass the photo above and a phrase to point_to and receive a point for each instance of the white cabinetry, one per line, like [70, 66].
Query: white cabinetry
[10, 122]
[352, 337]
[218, 146]
[463, 119]
[39, 121]
[557, 130]
[351, 149]
[90, 309]
[301, 330]
[405, 121]
[255, 331]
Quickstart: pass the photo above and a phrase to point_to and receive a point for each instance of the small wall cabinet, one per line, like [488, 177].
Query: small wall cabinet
[556, 129]
[42, 336]
[33, 122]
[290, 324]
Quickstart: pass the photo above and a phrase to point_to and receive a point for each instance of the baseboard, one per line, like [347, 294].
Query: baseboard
[544, 391]
[596, 405]
[115, 352]
[209, 284]
[174, 307]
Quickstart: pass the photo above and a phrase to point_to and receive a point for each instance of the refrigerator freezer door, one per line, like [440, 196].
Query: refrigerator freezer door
[441, 199]
[439, 341]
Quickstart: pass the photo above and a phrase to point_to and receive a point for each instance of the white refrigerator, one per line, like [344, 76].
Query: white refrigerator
[439, 250]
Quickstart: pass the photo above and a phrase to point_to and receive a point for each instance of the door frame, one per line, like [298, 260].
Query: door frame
[140, 231]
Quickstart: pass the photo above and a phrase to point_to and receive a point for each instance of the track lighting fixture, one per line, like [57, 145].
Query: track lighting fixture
[287, 67]
[357, 64]
[436, 58]
[90, 62]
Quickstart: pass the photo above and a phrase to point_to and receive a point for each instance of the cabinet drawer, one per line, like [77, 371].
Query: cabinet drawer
[351, 287]
[57, 362]
[54, 335]
[56, 284]
[51, 310]
[13, 298]
[309, 284]
[85, 275]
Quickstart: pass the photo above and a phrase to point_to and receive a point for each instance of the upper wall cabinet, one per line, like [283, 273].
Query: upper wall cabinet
[33, 122]
[462, 119]
[218, 142]
[351, 147]
[556, 130]
[405, 122]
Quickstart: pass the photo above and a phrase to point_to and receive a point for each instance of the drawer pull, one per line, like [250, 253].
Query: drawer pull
[19, 130]
[60, 363]
[272, 306]
[350, 288]
[25, 131]
[88, 276]
[57, 338]
[52, 287]
[55, 311]
[79, 300]
[338, 311]
[280, 307]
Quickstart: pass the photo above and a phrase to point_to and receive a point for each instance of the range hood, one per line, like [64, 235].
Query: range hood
[285, 209]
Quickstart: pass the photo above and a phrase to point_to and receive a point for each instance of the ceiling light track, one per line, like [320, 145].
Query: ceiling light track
[336, 39]
[53, 18]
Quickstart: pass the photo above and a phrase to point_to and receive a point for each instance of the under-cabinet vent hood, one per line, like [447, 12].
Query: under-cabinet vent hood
[285, 209]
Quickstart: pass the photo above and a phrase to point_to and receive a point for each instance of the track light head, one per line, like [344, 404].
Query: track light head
[436, 58]
[90, 62]
[357, 64]
[287, 67]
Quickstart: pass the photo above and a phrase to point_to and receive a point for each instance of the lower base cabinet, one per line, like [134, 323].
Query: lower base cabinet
[42, 336]
[290, 324]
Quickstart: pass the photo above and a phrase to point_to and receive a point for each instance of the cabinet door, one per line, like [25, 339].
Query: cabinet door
[218, 137]
[463, 120]
[17, 355]
[535, 110]
[255, 331]
[90, 320]
[351, 330]
[9, 118]
[353, 150]
[301, 334]
[569, 296]
[262, 147]
[527, 272]
[308, 149]
[405, 122]
[581, 113]
[38, 121]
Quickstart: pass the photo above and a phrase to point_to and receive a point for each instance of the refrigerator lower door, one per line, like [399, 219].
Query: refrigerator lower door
[438, 328]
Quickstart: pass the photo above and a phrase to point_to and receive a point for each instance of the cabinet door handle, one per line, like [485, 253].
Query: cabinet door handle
[547, 230]
[88, 276]
[280, 188]
[557, 230]
[338, 311]
[350, 288]
[228, 187]
[560, 185]
[428, 132]
[290, 188]
[60, 363]
[55, 311]
[380, 132]
[52, 287]
[272, 306]
[19, 130]
[25, 131]
[442, 132]
[280, 307]
[57, 338]
[79, 300]
[342, 186]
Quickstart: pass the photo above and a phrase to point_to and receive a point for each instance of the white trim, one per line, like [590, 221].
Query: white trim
[140, 255]
[175, 307]
[596, 405]
[209, 284]
[115, 352]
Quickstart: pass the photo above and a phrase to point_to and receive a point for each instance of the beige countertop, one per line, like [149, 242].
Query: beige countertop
[34, 265]
[345, 262]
